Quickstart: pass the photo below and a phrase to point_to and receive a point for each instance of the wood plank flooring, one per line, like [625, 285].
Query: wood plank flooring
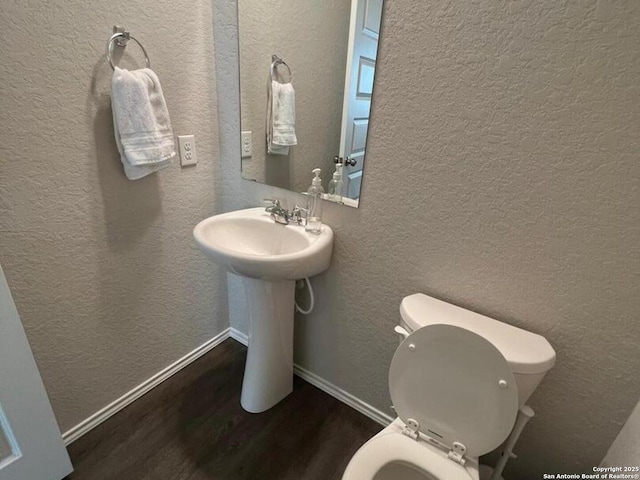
[191, 427]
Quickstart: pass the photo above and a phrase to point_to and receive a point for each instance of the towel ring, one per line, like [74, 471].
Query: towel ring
[275, 61]
[124, 37]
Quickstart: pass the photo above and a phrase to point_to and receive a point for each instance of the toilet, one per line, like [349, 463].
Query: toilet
[457, 381]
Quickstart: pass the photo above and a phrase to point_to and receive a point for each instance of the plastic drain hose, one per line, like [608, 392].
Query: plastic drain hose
[311, 300]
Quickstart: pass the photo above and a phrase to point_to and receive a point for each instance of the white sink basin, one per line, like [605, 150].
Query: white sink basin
[249, 243]
[269, 257]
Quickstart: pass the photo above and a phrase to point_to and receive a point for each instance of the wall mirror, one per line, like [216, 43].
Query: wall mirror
[307, 72]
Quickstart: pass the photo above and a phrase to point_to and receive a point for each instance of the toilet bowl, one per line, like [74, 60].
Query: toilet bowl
[392, 455]
[457, 381]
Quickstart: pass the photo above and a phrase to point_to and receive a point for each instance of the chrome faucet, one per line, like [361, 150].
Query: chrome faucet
[279, 214]
[282, 216]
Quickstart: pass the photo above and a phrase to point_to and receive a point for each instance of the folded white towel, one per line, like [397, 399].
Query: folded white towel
[281, 118]
[141, 122]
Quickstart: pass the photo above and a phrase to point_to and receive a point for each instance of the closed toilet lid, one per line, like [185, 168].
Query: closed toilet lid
[456, 385]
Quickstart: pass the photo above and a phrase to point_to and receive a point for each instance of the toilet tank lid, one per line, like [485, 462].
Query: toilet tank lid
[526, 352]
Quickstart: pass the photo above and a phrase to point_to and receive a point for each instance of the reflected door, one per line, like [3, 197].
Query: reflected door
[31, 446]
[361, 65]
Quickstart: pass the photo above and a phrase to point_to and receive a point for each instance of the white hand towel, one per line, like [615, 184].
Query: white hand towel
[281, 118]
[141, 122]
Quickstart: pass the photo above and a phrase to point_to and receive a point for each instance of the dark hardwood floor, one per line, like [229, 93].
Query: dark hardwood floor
[191, 427]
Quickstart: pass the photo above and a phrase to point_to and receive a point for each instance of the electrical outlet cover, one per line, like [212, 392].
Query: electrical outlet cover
[187, 147]
[247, 144]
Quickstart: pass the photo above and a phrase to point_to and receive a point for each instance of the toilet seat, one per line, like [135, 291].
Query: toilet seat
[451, 388]
[455, 387]
[395, 447]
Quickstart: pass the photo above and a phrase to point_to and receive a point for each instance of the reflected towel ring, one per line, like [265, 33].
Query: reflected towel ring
[275, 61]
[124, 37]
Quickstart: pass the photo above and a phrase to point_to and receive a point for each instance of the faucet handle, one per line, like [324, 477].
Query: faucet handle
[299, 215]
[273, 201]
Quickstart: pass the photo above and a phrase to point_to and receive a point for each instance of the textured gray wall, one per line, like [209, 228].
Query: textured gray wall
[625, 450]
[502, 176]
[312, 38]
[104, 272]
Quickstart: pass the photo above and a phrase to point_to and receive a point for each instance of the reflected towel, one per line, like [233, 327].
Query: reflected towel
[281, 118]
[141, 122]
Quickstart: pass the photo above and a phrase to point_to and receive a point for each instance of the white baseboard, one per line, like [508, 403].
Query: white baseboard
[238, 336]
[345, 397]
[114, 407]
[327, 387]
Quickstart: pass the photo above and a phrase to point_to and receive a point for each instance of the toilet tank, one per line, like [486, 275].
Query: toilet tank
[530, 355]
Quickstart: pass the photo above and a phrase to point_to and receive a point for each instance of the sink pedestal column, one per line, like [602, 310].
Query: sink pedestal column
[268, 373]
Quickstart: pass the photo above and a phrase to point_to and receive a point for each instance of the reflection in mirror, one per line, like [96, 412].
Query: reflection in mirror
[307, 72]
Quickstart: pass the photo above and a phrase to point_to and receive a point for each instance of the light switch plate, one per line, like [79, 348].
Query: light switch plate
[247, 144]
[187, 147]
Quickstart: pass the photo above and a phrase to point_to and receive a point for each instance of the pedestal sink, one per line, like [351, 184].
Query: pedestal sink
[269, 257]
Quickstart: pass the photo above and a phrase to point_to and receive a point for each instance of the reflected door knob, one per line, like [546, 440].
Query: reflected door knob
[351, 162]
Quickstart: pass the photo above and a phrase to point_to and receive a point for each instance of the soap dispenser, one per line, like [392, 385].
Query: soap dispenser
[336, 185]
[314, 205]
